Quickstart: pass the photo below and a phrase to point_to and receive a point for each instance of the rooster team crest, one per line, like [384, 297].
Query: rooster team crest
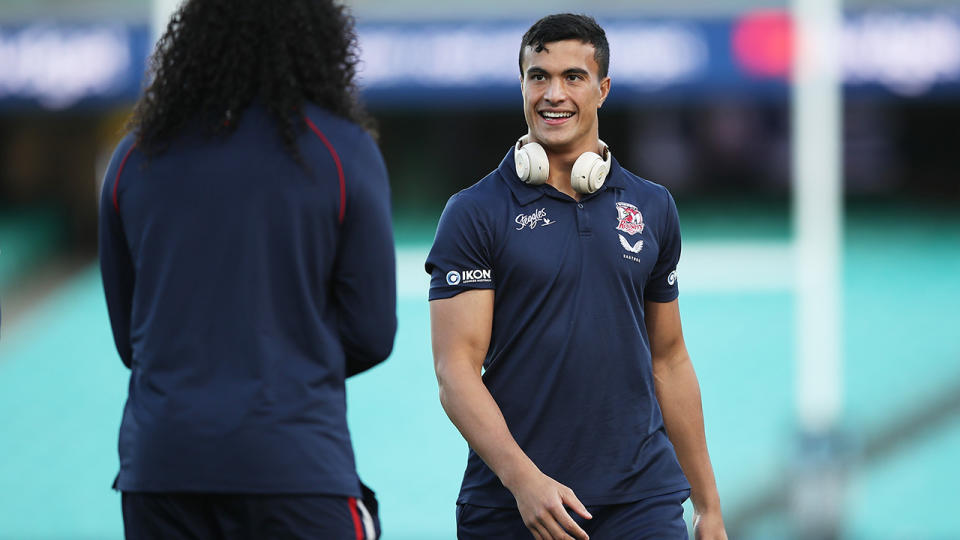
[629, 219]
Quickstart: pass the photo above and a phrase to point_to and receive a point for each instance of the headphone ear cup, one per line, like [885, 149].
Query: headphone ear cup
[522, 162]
[536, 164]
[589, 172]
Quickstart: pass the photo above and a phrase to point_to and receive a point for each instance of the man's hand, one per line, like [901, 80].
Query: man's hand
[543, 504]
[708, 526]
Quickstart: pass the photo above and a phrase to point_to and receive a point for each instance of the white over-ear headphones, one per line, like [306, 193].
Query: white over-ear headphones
[533, 167]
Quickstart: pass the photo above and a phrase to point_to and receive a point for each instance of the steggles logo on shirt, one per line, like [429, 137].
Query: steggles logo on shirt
[533, 219]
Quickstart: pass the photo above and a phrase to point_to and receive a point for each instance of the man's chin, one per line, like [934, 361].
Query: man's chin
[557, 144]
[553, 141]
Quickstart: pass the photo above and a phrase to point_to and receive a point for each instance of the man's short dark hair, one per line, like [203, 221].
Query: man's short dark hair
[568, 26]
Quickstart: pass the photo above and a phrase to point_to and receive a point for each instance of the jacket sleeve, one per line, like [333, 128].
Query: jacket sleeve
[116, 265]
[365, 282]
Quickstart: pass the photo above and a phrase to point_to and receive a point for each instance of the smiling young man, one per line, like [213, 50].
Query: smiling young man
[556, 332]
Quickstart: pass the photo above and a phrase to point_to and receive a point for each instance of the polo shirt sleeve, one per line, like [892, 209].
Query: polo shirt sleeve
[662, 285]
[460, 257]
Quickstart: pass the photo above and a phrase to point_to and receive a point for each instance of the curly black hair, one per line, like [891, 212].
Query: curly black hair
[218, 56]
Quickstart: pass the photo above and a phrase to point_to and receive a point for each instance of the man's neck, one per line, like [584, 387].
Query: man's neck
[561, 165]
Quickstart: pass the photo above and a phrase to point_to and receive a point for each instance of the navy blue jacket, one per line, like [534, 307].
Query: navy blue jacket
[569, 359]
[243, 289]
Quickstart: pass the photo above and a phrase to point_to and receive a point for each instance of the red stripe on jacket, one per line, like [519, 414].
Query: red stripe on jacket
[116, 181]
[336, 160]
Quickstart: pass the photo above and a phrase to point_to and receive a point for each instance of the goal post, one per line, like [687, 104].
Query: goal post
[818, 486]
[817, 212]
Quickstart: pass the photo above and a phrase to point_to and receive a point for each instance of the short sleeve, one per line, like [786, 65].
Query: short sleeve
[460, 257]
[662, 285]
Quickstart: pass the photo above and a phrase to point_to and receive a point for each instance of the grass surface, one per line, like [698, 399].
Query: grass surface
[62, 389]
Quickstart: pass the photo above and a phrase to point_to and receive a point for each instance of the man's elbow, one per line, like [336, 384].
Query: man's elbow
[442, 370]
[666, 364]
[455, 377]
[445, 386]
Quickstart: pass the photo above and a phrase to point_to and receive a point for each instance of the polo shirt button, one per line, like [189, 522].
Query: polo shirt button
[579, 205]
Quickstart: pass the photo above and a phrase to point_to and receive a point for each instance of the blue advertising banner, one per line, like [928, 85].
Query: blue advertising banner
[57, 66]
[905, 54]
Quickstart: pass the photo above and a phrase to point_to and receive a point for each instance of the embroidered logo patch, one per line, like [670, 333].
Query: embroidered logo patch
[629, 219]
[634, 248]
[458, 277]
[672, 278]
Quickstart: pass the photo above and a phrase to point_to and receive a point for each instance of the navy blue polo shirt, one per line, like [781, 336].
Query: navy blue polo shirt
[569, 358]
[243, 289]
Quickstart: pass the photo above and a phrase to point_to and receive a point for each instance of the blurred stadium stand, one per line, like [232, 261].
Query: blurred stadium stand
[420, 10]
[699, 103]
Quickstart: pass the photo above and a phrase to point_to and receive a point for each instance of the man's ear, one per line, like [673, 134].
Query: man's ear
[604, 90]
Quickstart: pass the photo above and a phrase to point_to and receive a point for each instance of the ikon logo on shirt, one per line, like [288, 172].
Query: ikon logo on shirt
[455, 277]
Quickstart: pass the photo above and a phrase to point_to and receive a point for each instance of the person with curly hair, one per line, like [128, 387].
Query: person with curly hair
[247, 257]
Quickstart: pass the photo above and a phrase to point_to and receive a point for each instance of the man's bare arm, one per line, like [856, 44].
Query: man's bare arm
[461, 328]
[679, 395]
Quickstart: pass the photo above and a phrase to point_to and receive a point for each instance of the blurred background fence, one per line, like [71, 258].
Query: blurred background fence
[700, 102]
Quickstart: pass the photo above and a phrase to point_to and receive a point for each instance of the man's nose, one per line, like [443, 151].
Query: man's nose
[555, 92]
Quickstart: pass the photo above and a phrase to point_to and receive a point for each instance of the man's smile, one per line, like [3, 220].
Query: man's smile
[555, 117]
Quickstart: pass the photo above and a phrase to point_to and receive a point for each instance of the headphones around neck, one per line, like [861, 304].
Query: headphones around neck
[587, 176]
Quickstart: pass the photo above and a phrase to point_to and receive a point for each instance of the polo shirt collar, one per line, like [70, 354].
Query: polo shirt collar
[526, 194]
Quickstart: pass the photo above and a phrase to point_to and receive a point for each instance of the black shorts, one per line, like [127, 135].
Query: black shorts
[196, 516]
[654, 518]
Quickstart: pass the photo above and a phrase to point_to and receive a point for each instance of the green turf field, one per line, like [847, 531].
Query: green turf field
[62, 388]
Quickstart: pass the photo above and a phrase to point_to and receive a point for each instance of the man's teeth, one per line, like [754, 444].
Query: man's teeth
[549, 114]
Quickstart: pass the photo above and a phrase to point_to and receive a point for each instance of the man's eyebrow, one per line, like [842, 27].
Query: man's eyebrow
[569, 71]
[576, 71]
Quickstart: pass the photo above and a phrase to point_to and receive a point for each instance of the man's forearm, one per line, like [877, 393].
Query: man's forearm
[679, 395]
[476, 414]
